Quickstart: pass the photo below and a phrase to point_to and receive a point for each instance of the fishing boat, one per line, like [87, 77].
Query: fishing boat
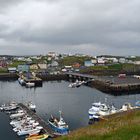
[59, 125]
[29, 130]
[38, 137]
[17, 115]
[101, 109]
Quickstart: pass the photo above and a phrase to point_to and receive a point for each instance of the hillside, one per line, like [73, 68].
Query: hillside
[120, 127]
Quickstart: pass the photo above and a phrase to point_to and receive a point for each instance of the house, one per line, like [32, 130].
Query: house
[101, 61]
[34, 67]
[52, 54]
[54, 64]
[137, 62]
[23, 68]
[76, 65]
[42, 66]
[88, 63]
[12, 70]
[122, 60]
[94, 61]
[3, 63]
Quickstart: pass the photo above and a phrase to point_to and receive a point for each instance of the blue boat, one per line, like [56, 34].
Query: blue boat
[58, 125]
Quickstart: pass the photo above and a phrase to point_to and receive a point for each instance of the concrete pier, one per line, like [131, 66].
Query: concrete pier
[110, 84]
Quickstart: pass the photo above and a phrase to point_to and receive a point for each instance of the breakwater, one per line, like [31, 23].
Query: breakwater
[110, 84]
[49, 77]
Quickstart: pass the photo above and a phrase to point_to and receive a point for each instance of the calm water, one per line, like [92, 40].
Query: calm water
[52, 97]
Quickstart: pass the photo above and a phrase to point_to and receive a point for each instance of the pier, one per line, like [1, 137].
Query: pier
[32, 79]
[109, 84]
[46, 128]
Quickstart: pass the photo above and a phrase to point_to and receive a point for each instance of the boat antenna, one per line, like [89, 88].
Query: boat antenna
[60, 112]
[105, 99]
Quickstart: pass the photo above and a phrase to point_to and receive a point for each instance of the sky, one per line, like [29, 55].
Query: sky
[95, 27]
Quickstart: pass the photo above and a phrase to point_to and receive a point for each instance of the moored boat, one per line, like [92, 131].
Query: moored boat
[29, 130]
[59, 125]
[38, 137]
[21, 81]
[101, 109]
[126, 107]
[31, 106]
[17, 115]
[76, 84]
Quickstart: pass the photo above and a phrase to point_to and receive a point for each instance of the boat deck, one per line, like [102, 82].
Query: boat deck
[46, 128]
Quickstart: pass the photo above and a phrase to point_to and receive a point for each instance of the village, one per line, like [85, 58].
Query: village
[54, 63]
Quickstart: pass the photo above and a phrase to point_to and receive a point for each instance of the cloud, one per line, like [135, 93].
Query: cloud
[87, 26]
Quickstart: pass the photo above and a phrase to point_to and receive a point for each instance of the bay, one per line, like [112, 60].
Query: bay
[52, 97]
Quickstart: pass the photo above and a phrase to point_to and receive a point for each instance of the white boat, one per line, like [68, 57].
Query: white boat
[25, 126]
[20, 120]
[17, 115]
[30, 84]
[21, 81]
[18, 124]
[29, 130]
[76, 84]
[126, 107]
[101, 110]
[11, 106]
[31, 106]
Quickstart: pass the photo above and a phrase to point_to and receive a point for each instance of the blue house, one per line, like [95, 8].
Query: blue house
[88, 63]
[23, 68]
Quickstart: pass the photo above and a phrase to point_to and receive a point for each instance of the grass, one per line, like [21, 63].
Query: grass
[119, 127]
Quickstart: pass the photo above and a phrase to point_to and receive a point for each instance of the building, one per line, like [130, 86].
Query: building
[12, 70]
[76, 65]
[54, 64]
[52, 54]
[34, 67]
[43, 66]
[3, 63]
[88, 63]
[101, 61]
[23, 68]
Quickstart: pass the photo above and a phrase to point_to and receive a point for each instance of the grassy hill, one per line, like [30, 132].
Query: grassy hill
[120, 127]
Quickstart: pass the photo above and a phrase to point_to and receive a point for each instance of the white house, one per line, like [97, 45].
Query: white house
[43, 66]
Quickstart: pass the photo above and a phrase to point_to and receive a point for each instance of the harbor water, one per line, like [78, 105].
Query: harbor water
[52, 97]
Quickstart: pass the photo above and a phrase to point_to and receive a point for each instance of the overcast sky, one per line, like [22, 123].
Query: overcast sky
[70, 26]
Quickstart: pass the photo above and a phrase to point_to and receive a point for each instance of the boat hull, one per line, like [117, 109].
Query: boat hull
[61, 131]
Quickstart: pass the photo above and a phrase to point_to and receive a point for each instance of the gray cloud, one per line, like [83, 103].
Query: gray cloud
[87, 26]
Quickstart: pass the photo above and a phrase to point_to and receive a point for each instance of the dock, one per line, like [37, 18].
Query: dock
[109, 84]
[46, 128]
[32, 79]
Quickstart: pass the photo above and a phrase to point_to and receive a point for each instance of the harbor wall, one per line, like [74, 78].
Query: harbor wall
[49, 77]
[120, 89]
[8, 76]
